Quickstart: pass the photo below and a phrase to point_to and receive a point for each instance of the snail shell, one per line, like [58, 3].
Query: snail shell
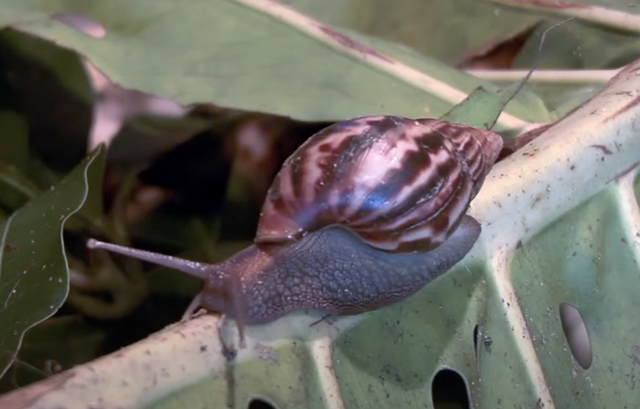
[401, 184]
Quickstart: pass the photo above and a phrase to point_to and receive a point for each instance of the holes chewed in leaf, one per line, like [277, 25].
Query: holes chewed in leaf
[481, 340]
[82, 24]
[449, 389]
[475, 339]
[577, 336]
[260, 403]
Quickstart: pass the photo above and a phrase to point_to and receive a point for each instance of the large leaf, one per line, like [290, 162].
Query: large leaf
[33, 267]
[446, 30]
[255, 55]
[449, 30]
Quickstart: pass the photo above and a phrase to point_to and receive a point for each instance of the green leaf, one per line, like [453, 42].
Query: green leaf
[480, 109]
[33, 268]
[65, 65]
[576, 44]
[256, 56]
[14, 156]
[15, 183]
[582, 263]
[445, 30]
[14, 142]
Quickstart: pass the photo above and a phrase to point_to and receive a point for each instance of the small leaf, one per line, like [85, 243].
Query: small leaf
[483, 107]
[479, 109]
[33, 267]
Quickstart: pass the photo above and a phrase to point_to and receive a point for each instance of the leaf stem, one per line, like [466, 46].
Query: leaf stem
[349, 45]
[549, 76]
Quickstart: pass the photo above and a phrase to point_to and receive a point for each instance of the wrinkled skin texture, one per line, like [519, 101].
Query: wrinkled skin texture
[330, 270]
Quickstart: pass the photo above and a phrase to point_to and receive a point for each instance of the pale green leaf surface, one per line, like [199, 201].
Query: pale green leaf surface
[580, 45]
[479, 109]
[33, 268]
[446, 30]
[588, 259]
[449, 30]
[241, 57]
[482, 108]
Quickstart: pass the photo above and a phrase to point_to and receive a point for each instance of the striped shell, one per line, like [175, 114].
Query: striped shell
[402, 184]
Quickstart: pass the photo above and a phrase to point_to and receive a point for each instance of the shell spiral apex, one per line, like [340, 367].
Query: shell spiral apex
[401, 184]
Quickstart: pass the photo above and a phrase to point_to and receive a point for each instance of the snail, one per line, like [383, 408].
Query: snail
[362, 215]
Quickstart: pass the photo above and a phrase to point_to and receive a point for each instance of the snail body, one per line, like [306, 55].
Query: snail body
[353, 278]
[362, 215]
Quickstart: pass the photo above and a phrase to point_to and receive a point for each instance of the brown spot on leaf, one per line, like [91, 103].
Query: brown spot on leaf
[354, 45]
[634, 358]
[628, 170]
[625, 108]
[603, 149]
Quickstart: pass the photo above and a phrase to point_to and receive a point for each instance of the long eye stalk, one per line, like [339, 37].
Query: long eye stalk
[193, 268]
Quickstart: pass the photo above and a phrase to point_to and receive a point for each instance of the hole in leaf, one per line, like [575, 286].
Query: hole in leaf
[449, 389]
[259, 403]
[82, 24]
[475, 339]
[577, 336]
